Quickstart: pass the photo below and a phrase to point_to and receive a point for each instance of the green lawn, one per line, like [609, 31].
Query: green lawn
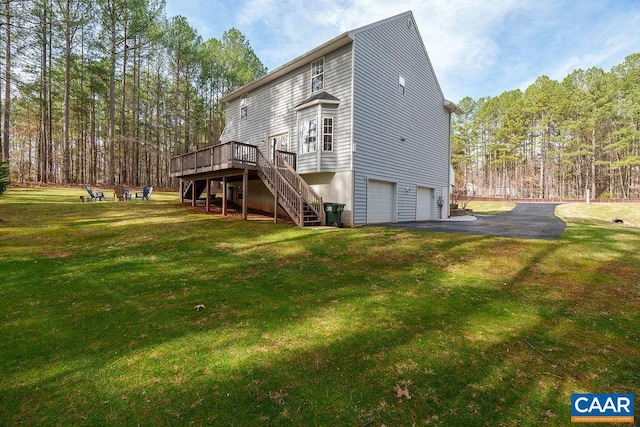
[98, 322]
[490, 208]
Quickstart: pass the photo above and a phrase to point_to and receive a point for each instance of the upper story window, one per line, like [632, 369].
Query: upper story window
[327, 134]
[317, 75]
[401, 85]
[243, 107]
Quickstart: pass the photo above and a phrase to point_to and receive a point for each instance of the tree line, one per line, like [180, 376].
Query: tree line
[557, 139]
[106, 91]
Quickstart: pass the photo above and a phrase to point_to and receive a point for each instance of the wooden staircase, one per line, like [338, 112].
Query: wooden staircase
[292, 193]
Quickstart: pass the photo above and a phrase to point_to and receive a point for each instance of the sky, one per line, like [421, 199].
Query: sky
[477, 48]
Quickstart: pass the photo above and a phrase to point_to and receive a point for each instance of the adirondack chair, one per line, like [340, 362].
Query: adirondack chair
[146, 193]
[95, 195]
[121, 194]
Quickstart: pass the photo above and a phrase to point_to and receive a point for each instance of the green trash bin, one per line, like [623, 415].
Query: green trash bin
[333, 214]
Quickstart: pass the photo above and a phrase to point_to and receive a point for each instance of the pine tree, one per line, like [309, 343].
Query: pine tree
[4, 175]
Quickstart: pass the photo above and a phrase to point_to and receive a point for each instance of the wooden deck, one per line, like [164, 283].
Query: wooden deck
[220, 160]
[234, 161]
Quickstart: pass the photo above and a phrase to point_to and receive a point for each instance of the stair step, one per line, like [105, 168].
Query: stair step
[268, 172]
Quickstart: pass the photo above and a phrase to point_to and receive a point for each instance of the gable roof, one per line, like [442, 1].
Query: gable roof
[330, 46]
[333, 44]
[342, 40]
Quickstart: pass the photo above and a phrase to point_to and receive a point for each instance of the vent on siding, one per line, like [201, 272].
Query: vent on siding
[410, 24]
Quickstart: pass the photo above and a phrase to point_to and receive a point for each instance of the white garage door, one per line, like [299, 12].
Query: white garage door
[380, 201]
[424, 205]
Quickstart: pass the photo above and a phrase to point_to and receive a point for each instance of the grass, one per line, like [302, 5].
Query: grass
[490, 208]
[300, 327]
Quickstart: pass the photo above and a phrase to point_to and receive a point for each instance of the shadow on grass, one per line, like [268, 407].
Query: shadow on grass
[302, 327]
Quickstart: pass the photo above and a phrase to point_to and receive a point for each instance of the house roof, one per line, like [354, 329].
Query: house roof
[453, 108]
[342, 40]
[322, 97]
[333, 44]
[330, 46]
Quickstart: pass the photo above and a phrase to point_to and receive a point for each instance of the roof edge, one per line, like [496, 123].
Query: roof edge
[452, 107]
[333, 44]
[408, 13]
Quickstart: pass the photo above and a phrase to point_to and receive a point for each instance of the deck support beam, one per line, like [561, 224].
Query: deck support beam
[193, 194]
[181, 190]
[208, 190]
[224, 196]
[275, 208]
[245, 189]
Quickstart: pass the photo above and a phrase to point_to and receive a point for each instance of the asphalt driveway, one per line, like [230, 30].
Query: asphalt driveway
[526, 221]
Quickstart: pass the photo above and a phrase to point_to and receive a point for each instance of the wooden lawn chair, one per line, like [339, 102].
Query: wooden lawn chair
[121, 194]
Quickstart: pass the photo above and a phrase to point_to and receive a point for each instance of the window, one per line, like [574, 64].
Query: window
[308, 138]
[243, 107]
[327, 134]
[317, 75]
[401, 84]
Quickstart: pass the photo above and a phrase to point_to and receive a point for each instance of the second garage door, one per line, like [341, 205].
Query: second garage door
[381, 201]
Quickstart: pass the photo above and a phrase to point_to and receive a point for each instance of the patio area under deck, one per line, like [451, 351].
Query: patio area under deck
[205, 181]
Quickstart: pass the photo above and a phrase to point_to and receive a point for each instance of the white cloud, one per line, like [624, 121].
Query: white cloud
[477, 48]
[461, 37]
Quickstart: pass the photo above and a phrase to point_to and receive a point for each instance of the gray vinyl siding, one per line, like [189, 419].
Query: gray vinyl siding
[383, 117]
[271, 110]
[403, 139]
[339, 85]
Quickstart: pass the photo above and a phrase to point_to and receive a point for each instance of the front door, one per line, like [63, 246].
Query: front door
[278, 142]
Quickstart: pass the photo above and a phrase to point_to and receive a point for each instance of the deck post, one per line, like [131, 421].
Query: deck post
[275, 208]
[208, 190]
[181, 190]
[193, 193]
[301, 213]
[245, 189]
[224, 196]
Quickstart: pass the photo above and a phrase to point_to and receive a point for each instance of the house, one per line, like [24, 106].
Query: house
[360, 120]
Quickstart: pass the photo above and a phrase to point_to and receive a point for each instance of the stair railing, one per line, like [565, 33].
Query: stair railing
[313, 200]
[290, 199]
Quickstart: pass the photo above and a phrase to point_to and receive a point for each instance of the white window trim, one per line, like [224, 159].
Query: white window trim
[244, 102]
[314, 66]
[333, 132]
[402, 84]
[302, 138]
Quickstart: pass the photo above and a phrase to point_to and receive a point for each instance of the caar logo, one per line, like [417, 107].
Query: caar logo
[602, 408]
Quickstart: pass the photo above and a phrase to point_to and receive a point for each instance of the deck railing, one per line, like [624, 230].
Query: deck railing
[288, 156]
[217, 157]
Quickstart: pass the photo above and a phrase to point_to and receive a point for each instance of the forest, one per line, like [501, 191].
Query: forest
[107, 91]
[569, 139]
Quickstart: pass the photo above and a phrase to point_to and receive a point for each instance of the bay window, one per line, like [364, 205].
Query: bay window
[308, 136]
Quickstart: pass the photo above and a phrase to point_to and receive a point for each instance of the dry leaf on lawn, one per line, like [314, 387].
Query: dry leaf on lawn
[401, 392]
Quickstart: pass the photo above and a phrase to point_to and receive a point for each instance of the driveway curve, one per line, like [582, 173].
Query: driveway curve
[525, 221]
